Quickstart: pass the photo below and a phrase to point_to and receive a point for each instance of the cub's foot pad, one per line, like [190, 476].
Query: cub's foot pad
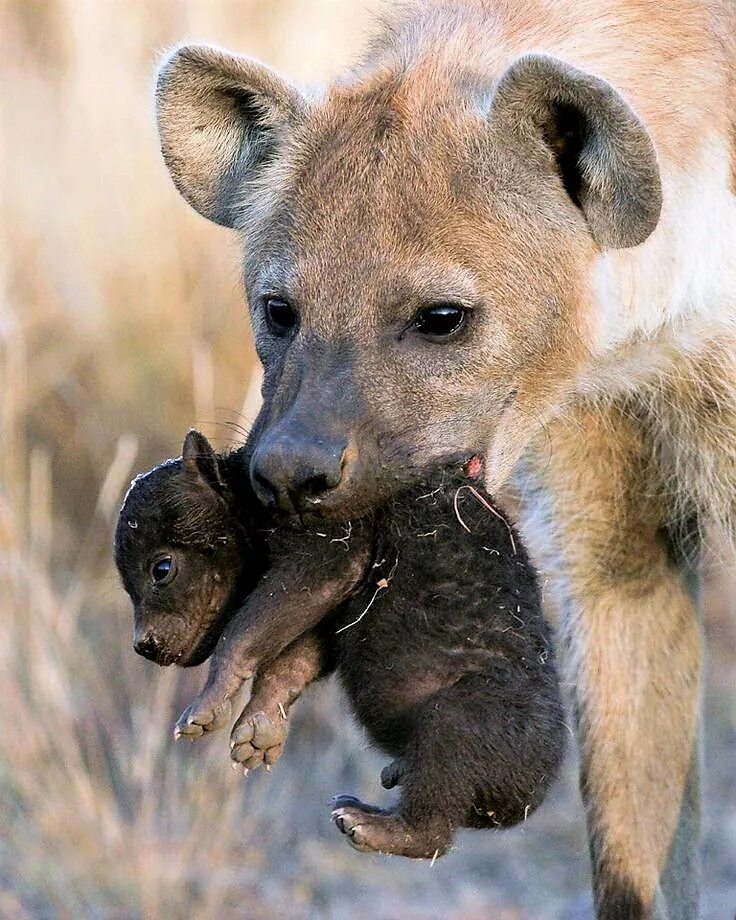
[258, 737]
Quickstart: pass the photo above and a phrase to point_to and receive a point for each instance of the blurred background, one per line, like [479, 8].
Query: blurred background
[122, 324]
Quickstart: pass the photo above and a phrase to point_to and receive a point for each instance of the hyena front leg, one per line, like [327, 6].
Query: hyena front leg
[633, 655]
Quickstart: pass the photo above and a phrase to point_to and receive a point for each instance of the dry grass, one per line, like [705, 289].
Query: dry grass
[121, 323]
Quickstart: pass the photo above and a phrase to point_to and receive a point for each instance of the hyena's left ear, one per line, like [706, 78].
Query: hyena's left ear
[589, 135]
[200, 460]
[220, 116]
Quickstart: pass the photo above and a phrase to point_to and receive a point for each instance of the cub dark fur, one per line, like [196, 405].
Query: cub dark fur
[429, 610]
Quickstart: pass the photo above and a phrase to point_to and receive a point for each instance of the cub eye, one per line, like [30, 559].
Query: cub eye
[163, 570]
[281, 315]
[439, 320]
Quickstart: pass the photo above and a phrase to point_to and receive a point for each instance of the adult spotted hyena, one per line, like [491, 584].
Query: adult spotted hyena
[510, 229]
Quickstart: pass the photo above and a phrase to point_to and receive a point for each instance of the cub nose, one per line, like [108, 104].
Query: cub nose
[291, 469]
[147, 644]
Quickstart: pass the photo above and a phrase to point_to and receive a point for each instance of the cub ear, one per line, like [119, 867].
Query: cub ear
[589, 134]
[199, 459]
[220, 116]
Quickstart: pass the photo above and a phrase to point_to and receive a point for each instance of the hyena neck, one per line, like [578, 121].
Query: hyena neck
[687, 349]
[674, 288]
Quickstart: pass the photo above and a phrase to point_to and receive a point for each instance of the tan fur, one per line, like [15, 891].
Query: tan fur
[428, 173]
[654, 53]
[634, 644]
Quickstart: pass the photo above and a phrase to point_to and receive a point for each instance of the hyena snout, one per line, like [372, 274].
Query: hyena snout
[292, 468]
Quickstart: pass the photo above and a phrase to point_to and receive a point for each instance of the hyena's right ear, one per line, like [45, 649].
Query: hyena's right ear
[602, 153]
[220, 116]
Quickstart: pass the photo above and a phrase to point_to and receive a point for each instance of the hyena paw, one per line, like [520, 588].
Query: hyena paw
[258, 737]
[371, 829]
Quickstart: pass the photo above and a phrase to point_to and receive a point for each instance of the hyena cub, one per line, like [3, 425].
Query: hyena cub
[429, 611]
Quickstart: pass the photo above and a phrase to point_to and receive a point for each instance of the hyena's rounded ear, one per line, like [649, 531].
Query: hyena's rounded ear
[220, 116]
[591, 137]
[200, 460]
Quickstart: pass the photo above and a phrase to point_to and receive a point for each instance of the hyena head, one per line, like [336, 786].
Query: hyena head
[419, 243]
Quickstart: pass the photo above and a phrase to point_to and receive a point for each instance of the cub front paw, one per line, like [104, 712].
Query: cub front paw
[212, 709]
[258, 737]
[203, 718]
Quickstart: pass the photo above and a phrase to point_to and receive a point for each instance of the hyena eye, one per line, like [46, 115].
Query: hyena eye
[440, 320]
[281, 315]
[163, 570]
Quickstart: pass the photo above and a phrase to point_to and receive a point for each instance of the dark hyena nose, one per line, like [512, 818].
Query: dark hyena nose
[291, 469]
[146, 643]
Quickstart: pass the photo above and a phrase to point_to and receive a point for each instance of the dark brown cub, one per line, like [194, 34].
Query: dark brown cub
[428, 609]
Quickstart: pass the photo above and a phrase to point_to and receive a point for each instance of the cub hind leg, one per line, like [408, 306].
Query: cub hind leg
[480, 753]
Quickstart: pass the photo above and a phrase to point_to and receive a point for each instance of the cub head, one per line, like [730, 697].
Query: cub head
[418, 252]
[182, 553]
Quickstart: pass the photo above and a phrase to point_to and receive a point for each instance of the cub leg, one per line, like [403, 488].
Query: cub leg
[259, 734]
[480, 753]
[633, 653]
[299, 591]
